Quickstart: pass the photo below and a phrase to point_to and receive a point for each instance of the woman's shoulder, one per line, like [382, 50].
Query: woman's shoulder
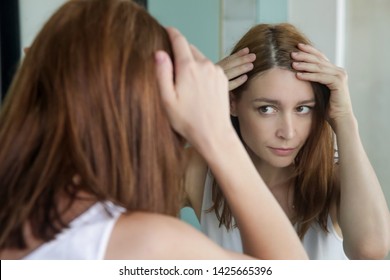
[142, 235]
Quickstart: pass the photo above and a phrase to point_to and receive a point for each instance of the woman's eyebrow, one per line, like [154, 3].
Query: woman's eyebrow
[266, 100]
[307, 101]
[277, 102]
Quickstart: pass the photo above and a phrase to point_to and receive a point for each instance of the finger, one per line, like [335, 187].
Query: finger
[233, 84]
[312, 50]
[164, 73]
[321, 78]
[314, 68]
[306, 57]
[236, 60]
[243, 51]
[235, 55]
[238, 71]
[197, 53]
[180, 46]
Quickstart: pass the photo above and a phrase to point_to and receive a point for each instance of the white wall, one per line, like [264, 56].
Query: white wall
[33, 14]
[237, 18]
[318, 20]
[368, 65]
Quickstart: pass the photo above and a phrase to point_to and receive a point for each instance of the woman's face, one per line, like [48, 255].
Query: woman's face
[275, 116]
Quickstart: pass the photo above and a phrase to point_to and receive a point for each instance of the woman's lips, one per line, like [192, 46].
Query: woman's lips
[283, 152]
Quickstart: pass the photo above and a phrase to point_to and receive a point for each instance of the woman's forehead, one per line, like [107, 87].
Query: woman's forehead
[278, 84]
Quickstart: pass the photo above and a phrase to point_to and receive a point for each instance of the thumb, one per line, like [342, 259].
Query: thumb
[164, 73]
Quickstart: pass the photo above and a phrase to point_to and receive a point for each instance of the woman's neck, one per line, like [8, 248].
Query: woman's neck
[274, 176]
[280, 182]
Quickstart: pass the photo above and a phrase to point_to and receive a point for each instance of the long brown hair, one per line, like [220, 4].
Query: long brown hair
[85, 101]
[313, 187]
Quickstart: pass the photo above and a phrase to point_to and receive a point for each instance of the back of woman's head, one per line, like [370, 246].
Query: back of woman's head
[85, 102]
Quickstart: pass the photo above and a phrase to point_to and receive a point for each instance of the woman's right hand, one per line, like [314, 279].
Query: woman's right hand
[236, 65]
[196, 95]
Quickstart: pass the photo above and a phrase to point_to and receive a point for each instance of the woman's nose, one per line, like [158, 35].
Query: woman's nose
[286, 128]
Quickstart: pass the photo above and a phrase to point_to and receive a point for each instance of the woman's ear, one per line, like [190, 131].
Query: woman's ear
[233, 104]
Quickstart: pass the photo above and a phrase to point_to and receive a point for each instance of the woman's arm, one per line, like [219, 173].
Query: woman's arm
[235, 66]
[363, 213]
[194, 180]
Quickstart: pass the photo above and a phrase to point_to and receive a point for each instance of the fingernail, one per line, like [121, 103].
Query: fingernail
[252, 56]
[243, 77]
[159, 56]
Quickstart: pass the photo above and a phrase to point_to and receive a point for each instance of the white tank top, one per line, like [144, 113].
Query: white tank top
[85, 239]
[318, 244]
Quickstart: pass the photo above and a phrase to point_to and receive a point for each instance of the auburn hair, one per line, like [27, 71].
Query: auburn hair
[313, 177]
[85, 102]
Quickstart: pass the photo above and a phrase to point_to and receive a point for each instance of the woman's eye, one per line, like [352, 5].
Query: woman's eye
[267, 109]
[304, 109]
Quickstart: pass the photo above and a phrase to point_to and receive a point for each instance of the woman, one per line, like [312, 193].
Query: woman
[93, 133]
[285, 111]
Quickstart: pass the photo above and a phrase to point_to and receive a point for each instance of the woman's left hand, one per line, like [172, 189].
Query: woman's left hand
[236, 66]
[313, 66]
